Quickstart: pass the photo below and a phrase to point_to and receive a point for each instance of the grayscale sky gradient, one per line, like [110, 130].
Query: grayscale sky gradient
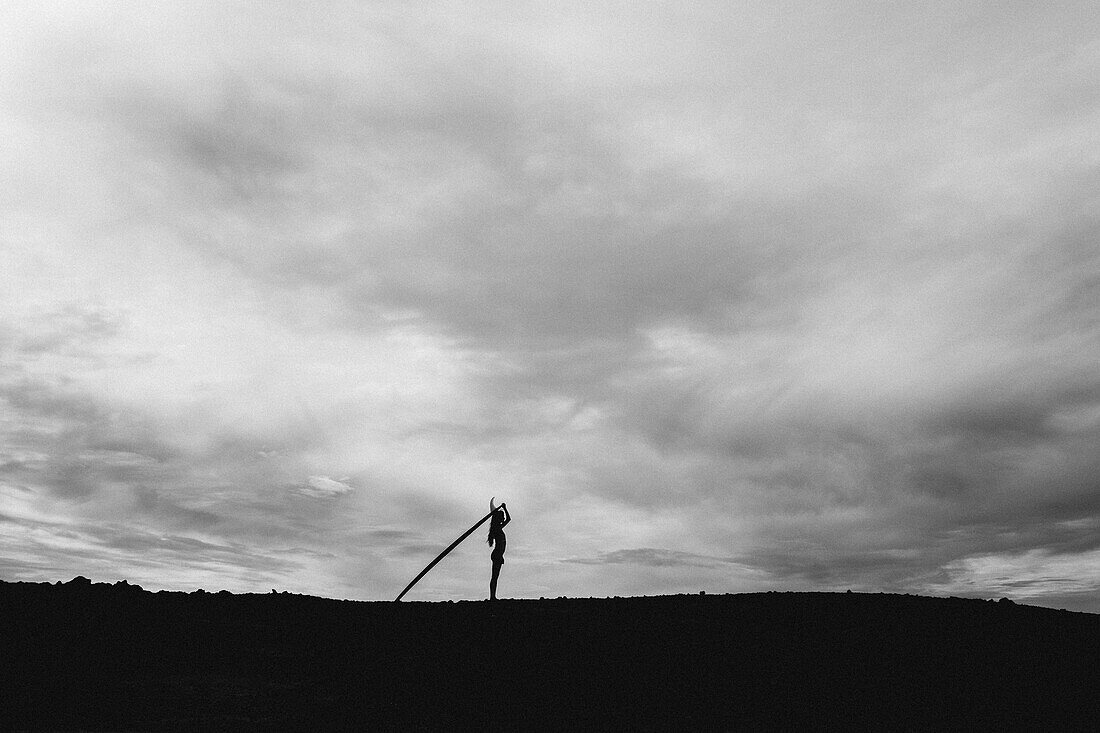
[722, 296]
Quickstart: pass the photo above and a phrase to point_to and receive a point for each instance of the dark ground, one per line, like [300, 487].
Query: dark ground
[83, 656]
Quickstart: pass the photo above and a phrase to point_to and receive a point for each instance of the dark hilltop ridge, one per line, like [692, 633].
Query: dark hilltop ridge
[94, 656]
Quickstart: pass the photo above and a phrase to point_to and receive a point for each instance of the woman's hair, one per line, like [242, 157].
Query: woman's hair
[494, 524]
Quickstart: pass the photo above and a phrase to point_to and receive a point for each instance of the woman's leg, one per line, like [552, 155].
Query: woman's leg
[493, 580]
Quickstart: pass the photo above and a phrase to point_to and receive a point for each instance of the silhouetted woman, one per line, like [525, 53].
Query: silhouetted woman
[498, 542]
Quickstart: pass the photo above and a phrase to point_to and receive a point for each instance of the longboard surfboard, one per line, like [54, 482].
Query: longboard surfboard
[444, 554]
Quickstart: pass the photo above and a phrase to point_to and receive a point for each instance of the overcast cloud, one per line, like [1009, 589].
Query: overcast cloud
[717, 296]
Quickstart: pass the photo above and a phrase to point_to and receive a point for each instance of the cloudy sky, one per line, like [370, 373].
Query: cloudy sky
[723, 296]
